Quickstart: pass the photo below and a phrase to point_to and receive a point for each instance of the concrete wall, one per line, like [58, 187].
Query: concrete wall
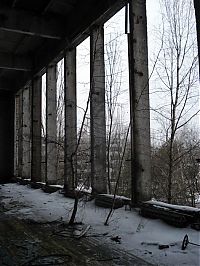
[7, 108]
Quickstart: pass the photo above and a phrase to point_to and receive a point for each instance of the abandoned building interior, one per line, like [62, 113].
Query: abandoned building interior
[35, 35]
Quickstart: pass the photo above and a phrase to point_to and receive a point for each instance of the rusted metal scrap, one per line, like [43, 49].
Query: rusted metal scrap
[186, 242]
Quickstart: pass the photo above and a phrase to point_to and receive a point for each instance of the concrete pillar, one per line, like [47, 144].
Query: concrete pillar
[20, 133]
[97, 111]
[70, 119]
[139, 102]
[197, 14]
[16, 124]
[51, 129]
[7, 110]
[36, 130]
[26, 133]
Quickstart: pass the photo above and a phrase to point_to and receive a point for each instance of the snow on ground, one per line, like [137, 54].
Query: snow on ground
[139, 236]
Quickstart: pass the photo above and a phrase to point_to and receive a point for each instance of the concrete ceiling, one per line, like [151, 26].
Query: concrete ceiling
[34, 33]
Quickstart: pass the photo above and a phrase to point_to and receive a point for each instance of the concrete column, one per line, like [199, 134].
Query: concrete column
[7, 110]
[97, 111]
[70, 119]
[26, 133]
[20, 133]
[197, 14]
[51, 129]
[36, 130]
[139, 102]
[16, 134]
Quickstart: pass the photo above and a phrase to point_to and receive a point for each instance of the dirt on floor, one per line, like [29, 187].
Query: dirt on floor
[29, 243]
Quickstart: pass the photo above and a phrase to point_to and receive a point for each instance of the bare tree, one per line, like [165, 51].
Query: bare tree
[116, 90]
[177, 75]
[60, 109]
[185, 184]
[118, 176]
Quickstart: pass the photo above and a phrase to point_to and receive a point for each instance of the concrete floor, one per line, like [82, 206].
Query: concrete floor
[27, 243]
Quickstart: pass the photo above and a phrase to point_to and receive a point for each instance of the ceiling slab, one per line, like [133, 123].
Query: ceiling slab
[34, 34]
[15, 62]
[23, 22]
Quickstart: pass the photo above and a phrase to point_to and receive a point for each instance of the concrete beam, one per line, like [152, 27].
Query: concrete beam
[51, 129]
[70, 119]
[15, 62]
[139, 102]
[79, 26]
[36, 91]
[25, 22]
[97, 111]
[76, 29]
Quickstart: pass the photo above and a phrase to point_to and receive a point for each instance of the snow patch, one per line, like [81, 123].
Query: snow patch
[138, 235]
